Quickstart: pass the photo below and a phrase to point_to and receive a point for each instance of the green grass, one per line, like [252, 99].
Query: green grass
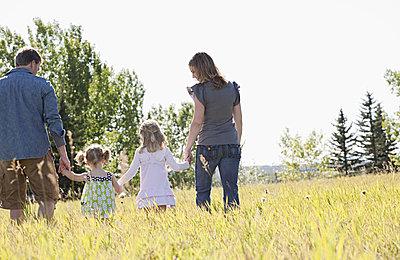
[356, 217]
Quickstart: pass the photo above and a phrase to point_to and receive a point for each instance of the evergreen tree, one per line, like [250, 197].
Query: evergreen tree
[343, 142]
[385, 145]
[367, 141]
[376, 142]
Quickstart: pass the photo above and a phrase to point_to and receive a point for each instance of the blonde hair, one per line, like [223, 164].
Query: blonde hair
[204, 66]
[151, 137]
[93, 155]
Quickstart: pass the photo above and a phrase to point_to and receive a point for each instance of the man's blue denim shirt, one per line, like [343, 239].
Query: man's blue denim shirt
[28, 105]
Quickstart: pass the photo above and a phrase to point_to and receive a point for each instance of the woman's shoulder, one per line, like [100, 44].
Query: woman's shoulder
[203, 85]
[199, 85]
[196, 88]
[233, 87]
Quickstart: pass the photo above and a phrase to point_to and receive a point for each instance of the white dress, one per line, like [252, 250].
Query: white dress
[155, 188]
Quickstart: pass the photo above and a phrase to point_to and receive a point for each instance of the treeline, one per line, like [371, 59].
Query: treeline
[97, 104]
[368, 145]
[371, 148]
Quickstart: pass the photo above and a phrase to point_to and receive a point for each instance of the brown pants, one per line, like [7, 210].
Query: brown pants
[42, 176]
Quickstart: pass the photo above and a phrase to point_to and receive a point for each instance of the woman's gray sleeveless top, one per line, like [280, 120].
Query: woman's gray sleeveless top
[218, 126]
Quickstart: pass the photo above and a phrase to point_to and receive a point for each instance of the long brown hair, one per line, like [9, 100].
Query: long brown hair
[151, 137]
[206, 70]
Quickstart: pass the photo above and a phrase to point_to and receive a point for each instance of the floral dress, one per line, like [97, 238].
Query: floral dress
[98, 197]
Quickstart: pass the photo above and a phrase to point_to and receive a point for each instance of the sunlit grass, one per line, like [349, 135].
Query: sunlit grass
[356, 217]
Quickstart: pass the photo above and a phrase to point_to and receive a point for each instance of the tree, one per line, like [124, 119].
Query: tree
[392, 125]
[129, 107]
[10, 43]
[376, 142]
[305, 156]
[343, 143]
[292, 151]
[393, 79]
[95, 103]
[385, 144]
[367, 135]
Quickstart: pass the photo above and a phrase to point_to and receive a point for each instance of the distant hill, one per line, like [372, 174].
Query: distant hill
[271, 168]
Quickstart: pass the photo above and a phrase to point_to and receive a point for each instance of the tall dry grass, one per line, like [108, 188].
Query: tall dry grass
[356, 217]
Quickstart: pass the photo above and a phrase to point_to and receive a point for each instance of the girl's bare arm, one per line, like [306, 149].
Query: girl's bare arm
[118, 188]
[74, 176]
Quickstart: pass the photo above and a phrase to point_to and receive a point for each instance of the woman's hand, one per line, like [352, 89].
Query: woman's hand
[187, 155]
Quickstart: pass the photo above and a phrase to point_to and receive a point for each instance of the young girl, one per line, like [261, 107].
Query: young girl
[98, 197]
[152, 158]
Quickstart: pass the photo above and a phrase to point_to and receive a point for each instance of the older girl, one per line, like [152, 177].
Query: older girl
[152, 157]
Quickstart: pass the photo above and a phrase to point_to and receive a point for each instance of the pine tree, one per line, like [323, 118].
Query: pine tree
[367, 141]
[343, 155]
[384, 143]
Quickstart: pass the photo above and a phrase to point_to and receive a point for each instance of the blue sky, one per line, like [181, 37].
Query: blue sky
[293, 59]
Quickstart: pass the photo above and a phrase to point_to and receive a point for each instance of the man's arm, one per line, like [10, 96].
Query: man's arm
[54, 124]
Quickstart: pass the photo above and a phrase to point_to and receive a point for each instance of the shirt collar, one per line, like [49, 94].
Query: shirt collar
[24, 70]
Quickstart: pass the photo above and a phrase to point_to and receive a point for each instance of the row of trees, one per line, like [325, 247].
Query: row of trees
[368, 147]
[372, 147]
[96, 103]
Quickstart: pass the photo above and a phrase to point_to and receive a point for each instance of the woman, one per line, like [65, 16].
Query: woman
[216, 105]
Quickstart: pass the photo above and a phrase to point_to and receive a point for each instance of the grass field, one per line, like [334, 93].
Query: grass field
[357, 217]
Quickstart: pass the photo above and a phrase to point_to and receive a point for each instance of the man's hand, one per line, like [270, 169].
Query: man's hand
[65, 164]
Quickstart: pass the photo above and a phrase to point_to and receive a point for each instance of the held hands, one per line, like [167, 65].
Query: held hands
[65, 172]
[118, 188]
[64, 164]
[187, 155]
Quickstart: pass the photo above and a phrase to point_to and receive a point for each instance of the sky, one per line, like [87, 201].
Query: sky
[297, 62]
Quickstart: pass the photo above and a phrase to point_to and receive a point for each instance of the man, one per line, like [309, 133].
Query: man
[27, 105]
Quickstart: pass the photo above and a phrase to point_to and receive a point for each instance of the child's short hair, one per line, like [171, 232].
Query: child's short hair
[151, 136]
[93, 154]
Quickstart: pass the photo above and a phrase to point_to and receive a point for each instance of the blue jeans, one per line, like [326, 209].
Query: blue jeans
[227, 158]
